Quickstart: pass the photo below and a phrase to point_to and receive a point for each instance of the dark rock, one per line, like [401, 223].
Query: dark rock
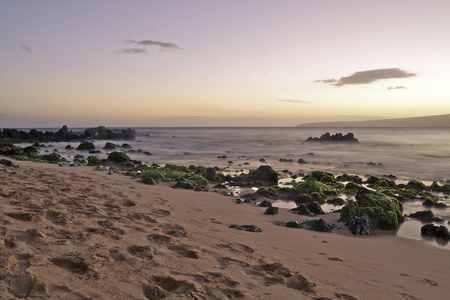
[436, 231]
[222, 156]
[265, 203]
[262, 160]
[336, 201]
[352, 178]
[251, 228]
[86, 146]
[125, 146]
[302, 161]
[69, 147]
[302, 209]
[338, 137]
[184, 185]
[425, 216]
[318, 225]
[271, 210]
[101, 133]
[148, 180]
[315, 208]
[285, 160]
[293, 224]
[95, 151]
[8, 163]
[118, 157]
[110, 146]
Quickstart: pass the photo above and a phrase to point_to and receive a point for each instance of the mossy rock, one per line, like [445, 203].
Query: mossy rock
[86, 146]
[52, 157]
[428, 201]
[110, 146]
[416, 185]
[352, 178]
[370, 211]
[118, 157]
[94, 161]
[351, 188]
[263, 175]
[317, 190]
[195, 181]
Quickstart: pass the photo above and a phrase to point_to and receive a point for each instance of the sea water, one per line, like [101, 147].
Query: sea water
[407, 153]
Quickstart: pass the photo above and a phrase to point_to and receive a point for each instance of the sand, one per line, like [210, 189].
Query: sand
[75, 233]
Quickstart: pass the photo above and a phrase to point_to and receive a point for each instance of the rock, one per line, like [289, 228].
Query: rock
[338, 137]
[315, 208]
[251, 228]
[436, 231]
[271, 210]
[148, 180]
[293, 224]
[118, 157]
[101, 133]
[69, 147]
[416, 185]
[370, 211]
[302, 209]
[110, 146]
[425, 216]
[262, 160]
[302, 161]
[8, 163]
[336, 201]
[265, 203]
[86, 146]
[125, 146]
[318, 225]
[352, 178]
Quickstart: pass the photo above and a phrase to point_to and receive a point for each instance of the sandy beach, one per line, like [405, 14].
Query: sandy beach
[74, 233]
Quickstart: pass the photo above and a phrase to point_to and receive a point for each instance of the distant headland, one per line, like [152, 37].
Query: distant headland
[439, 121]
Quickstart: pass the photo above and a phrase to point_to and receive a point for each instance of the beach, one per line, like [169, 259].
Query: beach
[74, 233]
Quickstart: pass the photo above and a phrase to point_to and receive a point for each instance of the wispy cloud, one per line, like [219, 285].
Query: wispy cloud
[132, 51]
[366, 77]
[163, 46]
[395, 87]
[25, 48]
[293, 101]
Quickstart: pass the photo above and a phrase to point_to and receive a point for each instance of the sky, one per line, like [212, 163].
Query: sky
[221, 63]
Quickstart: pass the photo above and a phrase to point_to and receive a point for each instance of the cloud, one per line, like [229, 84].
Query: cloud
[132, 51]
[395, 87]
[366, 77]
[293, 101]
[25, 48]
[162, 45]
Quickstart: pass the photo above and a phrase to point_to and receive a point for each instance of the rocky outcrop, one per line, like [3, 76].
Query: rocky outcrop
[338, 137]
[102, 133]
[370, 211]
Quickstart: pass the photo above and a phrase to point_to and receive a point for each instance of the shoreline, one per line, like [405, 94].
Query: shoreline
[88, 237]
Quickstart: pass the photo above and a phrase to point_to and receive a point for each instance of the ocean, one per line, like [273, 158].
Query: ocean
[407, 153]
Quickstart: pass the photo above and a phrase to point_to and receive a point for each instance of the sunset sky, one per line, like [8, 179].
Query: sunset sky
[221, 63]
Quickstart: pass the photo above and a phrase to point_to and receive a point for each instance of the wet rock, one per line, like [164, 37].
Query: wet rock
[436, 231]
[425, 216]
[318, 225]
[265, 203]
[293, 224]
[271, 211]
[251, 228]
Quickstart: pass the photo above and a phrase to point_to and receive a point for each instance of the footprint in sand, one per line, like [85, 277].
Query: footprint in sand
[424, 280]
[184, 251]
[173, 230]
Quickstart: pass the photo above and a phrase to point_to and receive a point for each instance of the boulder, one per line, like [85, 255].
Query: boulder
[110, 146]
[302, 209]
[148, 180]
[436, 231]
[315, 208]
[425, 216]
[293, 224]
[271, 210]
[265, 203]
[86, 146]
[318, 225]
[118, 157]
[370, 211]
